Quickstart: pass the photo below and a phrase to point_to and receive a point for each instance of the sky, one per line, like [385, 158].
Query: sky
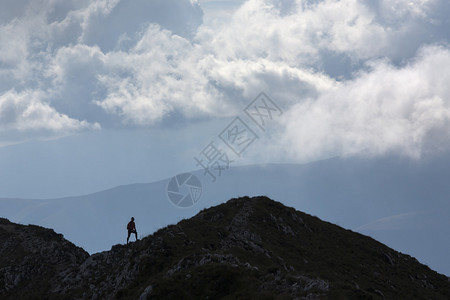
[95, 94]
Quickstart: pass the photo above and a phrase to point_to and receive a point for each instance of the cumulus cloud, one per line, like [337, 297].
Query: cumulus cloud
[212, 74]
[395, 9]
[108, 22]
[52, 57]
[281, 47]
[160, 75]
[26, 115]
[346, 70]
[385, 109]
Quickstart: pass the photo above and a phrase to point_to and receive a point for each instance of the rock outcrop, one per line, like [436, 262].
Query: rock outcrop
[32, 260]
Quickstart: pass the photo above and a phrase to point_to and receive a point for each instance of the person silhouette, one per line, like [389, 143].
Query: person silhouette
[131, 229]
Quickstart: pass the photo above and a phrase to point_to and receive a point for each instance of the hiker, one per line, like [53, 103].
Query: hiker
[131, 229]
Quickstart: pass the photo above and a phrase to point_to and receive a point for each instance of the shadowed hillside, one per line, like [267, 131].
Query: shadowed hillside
[245, 248]
[33, 260]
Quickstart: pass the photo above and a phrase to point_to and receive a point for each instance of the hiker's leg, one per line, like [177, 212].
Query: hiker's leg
[135, 232]
[128, 237]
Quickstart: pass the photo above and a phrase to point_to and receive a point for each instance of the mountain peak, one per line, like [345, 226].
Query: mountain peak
[246, 247]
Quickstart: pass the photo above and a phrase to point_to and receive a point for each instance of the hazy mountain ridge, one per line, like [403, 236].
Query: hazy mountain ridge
[247, 247]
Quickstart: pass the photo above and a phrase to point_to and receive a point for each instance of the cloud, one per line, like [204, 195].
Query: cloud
[396, 9]
[27, 116]
[160, 75]
[139, 63]
[281, 47]
[52, 57]
[386, 109]
[110, 23]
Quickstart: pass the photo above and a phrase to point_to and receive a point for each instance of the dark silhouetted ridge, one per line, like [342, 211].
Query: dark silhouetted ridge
[246, 248]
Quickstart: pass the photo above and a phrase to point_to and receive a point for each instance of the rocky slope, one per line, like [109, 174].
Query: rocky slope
[245, 248]
[33, 259]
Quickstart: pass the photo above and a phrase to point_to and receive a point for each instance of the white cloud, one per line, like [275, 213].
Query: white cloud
[159, 75]
[399, 8]
[165, 73]
[52, 61]
[107, 61]
[387, 109]
[105, 22]
[297, 38]
[275, 51]
[27, 115]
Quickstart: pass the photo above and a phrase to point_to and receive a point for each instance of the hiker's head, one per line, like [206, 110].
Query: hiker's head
[132, 218]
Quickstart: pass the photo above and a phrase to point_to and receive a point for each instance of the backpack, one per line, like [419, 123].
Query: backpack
[130, 226]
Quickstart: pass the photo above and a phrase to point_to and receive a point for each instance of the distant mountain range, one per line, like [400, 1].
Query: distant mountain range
[402, 203]
[253, 248]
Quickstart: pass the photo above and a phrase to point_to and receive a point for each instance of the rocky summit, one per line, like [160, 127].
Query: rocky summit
[249, 248]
